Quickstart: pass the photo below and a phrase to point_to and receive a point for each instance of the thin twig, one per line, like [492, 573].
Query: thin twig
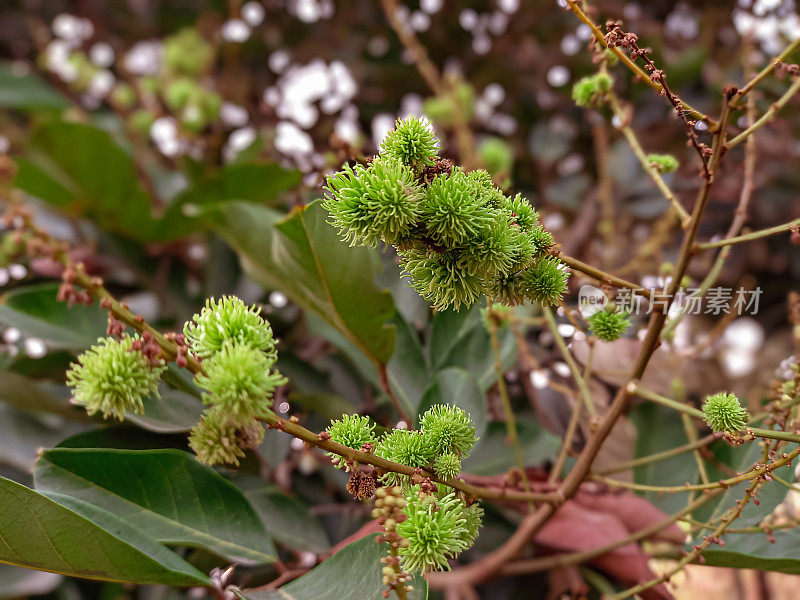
[768, 115]
[586, 396]
[633, 141]
[748, 237]
[636, 69]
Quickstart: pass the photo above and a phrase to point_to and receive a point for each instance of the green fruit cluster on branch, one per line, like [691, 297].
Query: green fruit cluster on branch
[238, 352]
[353, 431]
[446, 436]
[112, 378]
[723, 412]
[438, 526]
[458, 236]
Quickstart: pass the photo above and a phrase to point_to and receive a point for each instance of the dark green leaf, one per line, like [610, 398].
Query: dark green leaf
[173, 412]
[287, 519]
[251, 182]
[82, 170]
[41, 533]
[754, 551]
[460, 339]
[35, 311]
[660, 429]
[32, 396]
[353, 573]
[303, 256]
[27, 92]
[457, 387]
[165, 493]
[408, 369]
[493, 454]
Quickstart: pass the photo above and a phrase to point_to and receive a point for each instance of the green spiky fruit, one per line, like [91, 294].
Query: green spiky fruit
[238, 381]
[439, 278]
[406, 447]
[664, 163]
[589, 91]
[546, 281]
[219, 439]
[229, 319]
[352, 431]
[447, 465]
[609, 326]
[377, 203]
[412, 142]
[112, 378]
[435, 530]
[723, 412]
[453, 212]
[448, 429]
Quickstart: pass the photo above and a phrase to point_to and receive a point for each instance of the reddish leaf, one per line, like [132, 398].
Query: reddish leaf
[635, 513]
[577, 528]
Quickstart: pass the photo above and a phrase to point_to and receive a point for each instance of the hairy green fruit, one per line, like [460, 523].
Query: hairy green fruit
[546, 281]
[352, 431]
[458, 236]
[435, 530]
[412, 142]
[664, 163]
[452, 211]
[238, 381]
[589, 91]
[609, 326]
[113, 378]
[723, 412]
[380, 202]
[229, 319]
[439, 278]
[219, 439]
[448, 429]
[404, 446]
[447, 465]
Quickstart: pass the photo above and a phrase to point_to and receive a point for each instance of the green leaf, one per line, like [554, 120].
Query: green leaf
[22, 435]
[27, 92]
[252, 182]
[408, 369]
[457, 387]
[660, 429]
[287, 519]
[492, 454]
[174, 411]
[82, 170]
[303, 256]
[42, 533]
[353, 573]
[769, 497]
[32, 396]
[164, 493]
[460, 339]
[754, 551]
[34, 310]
